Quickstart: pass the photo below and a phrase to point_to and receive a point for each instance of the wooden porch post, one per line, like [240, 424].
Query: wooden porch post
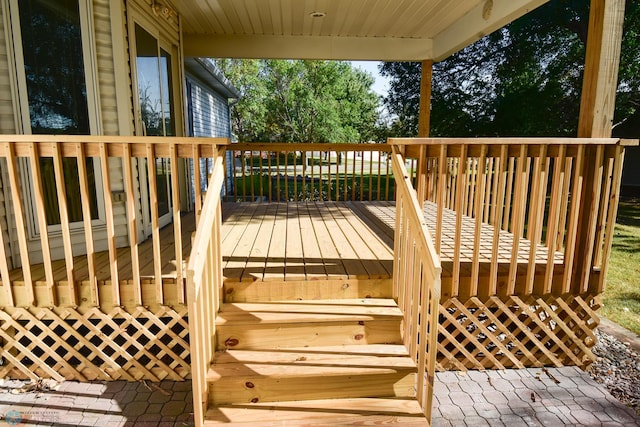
[424, 121]
[602, 60]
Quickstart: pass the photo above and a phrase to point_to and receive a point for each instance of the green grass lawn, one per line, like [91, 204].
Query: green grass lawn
[621, 297]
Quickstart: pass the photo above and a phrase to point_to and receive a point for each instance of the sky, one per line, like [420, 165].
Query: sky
[381, 86]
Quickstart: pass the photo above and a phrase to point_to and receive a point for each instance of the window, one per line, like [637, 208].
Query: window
[54, 66]
[154, 85]
[51, 47]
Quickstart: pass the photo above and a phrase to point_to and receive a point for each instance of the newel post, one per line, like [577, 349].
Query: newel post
[424, 122]
[606, 18]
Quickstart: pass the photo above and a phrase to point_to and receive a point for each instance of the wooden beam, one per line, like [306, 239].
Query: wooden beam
[606, 19]
[308, 47]
[424, 121]
[600, 81]
[483, 19]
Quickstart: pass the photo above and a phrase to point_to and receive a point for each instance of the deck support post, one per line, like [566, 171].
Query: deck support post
[606, 18]
[424, 121]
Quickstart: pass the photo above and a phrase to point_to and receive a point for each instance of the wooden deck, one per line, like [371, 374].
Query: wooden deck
[269, 242]
[306, 241]
[145, 250]
[303, 242]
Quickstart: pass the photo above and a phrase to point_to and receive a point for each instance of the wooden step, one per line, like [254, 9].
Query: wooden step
[315, 413]
[308, 323]
[259, 291]
[335, 372]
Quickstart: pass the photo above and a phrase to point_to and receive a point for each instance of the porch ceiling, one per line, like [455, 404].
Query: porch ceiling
[391, 30]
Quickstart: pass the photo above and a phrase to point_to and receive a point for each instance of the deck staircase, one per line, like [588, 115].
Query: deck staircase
[312, 363]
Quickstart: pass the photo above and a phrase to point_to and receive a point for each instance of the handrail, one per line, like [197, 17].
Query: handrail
[545, 202]
[510, 140]
[416, 281]
[120, 215]
[204, 284]
[293, 172]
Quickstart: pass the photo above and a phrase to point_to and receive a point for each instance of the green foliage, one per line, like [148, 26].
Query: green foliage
[302, 101]
[248, 116]
[621, 298]
[524, 80]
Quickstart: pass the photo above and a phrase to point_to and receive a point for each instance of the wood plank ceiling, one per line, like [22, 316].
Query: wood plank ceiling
[341, 29]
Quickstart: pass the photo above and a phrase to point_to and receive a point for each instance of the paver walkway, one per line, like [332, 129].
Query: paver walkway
[526, 397]
[530, 397]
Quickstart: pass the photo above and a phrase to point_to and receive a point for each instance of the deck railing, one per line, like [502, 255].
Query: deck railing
[284, 172]
[204, 285]
[532, 188]
[40, 169]
[416, 280]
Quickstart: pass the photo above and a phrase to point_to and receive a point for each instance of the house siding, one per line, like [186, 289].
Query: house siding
[208, 114]
[7, 126]
[7, 119]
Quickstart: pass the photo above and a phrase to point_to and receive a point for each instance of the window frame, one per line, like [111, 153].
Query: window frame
[168, 41]
[85, 10]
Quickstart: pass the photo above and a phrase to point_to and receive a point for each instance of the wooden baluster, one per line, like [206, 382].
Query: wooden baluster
[604, 209]
[111, 230]
[478, 208]
[295, 177]
[454, 167]
[243, 165]
[226, 178]
[18, 208]
[584, 266]
[389, 177]
[252, 183]
[572, 220]
[536, 214]
[370, 179]
[4, 266]
[362, 177]
[490, 183]
[64, 222]
[269, 176]
[459, 200]
[155, 222]
[614, 199]
[442, 189]
[378, 187]
[177, 221]
[558, 195]
[85, 199]
[278, 177]
[286, 175]
[197, 183]
[353, 175]
[473, 183]
[507, 224]
[34, 159]
[260, 176]
[564, 209]
[498, 211]
[519, 202]
[132, 225]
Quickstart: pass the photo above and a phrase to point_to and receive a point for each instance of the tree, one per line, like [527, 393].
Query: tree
[302, 101]
[525, 79]
[249, 114]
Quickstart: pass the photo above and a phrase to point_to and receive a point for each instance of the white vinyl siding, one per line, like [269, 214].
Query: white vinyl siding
[208, 117]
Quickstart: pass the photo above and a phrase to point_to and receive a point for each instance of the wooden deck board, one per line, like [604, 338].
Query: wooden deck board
[313, 241]
[103, 266]
[280, 242]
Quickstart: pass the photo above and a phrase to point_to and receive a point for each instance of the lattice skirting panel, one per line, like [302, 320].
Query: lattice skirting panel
[62, 343]
[517, 332]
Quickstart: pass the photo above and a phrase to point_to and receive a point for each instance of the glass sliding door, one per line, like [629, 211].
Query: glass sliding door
[156, 116]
